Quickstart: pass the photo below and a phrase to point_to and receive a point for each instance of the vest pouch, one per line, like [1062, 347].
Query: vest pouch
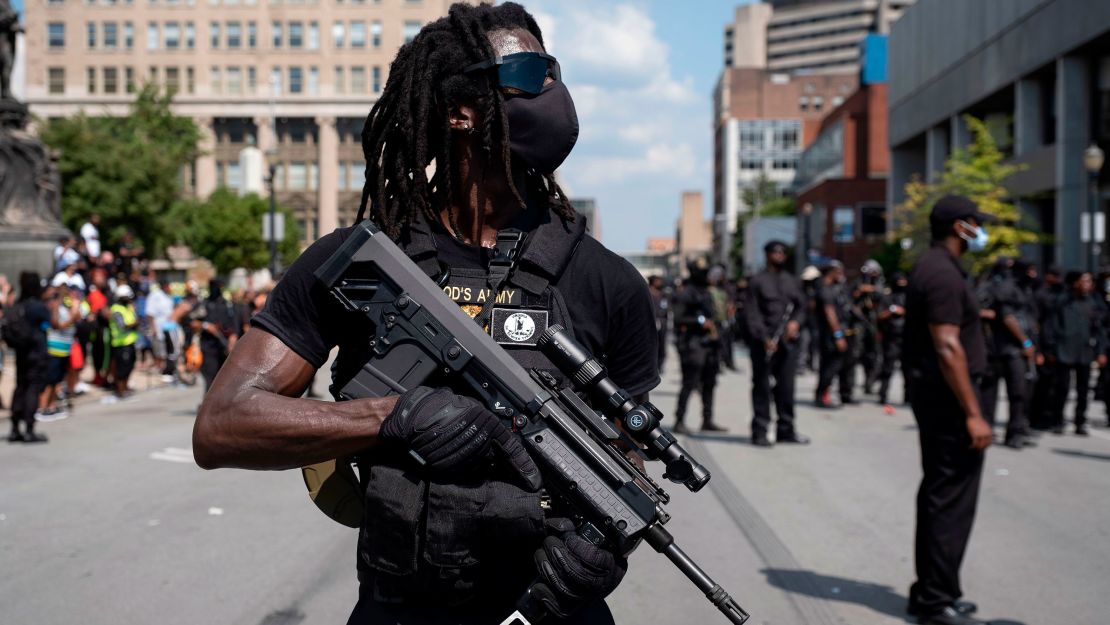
[394, 506]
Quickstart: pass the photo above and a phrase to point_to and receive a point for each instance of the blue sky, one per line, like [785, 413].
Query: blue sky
[641, 73]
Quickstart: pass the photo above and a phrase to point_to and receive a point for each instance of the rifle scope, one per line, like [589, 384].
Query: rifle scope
[643, 422]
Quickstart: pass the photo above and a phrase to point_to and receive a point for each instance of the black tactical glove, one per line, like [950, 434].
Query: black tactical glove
[574, 572]
[447, 432]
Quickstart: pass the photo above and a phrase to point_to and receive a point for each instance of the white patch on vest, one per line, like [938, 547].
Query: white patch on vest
[520, 327]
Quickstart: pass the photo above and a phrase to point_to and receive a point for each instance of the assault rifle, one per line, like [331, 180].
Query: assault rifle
[776, 338]
[418, 331]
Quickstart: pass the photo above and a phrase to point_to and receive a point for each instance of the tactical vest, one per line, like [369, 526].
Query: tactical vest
[468, 544]
[122, 336]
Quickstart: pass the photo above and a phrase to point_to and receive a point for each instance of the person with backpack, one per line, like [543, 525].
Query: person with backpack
[24, 331]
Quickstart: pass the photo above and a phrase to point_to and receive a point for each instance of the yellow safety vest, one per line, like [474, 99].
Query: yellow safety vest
[122, 337]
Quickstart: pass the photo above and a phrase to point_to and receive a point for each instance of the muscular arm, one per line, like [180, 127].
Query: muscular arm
[830, 316]
[953, 366]
[252, 418]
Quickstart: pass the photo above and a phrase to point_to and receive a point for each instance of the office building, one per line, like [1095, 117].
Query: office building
[1040, 67]
[295, 77]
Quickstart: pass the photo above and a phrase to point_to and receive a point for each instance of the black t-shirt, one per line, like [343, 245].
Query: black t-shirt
[940, 293]
[830, 295]
[607, 300]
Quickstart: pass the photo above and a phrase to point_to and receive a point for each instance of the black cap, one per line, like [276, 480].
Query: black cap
[774, 243]
[950, 208]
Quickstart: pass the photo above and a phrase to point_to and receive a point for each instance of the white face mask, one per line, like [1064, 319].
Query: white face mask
[976, 243]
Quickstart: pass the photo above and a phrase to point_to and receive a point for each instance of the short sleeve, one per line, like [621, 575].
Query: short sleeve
[631, 348]
[299, 311]
[944, 300]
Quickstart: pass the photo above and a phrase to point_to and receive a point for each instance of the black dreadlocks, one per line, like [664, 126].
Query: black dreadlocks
[408, 126]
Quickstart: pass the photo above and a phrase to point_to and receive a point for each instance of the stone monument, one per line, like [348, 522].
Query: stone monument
[30, 185]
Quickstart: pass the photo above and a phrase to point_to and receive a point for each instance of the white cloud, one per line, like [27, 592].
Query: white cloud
[673, 161]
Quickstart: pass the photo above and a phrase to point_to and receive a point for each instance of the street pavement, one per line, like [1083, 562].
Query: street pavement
[112, 523]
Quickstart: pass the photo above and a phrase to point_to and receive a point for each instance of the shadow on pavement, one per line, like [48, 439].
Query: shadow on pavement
[1077, 453]
[880, 598]
[721, 438]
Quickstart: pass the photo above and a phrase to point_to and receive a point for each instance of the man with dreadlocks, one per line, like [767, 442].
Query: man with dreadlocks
[475, 99]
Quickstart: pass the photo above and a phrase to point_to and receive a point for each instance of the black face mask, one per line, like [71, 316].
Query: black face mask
[542, 128]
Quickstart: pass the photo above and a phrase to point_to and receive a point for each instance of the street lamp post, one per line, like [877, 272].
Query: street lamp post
[1093, 158]
[271, 162]
[807, 212]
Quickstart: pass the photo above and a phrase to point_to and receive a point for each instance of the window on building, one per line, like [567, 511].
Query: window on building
[409, 31]
[215, 80]
[234, 35]
[252, 80]
[152, 74]
[234, 176]
[313, 35]
[190, 80]
[358, 34]
[173, 79]
[837, 101]
[214, 35]
[376, 79]
[339, 83]
[297, 176]
[313, 176]
[171, 35]
[275, 34]
[252, 34]
[90, 78]
[56, 80]
[357, 174]
[751, 136]
[111, 80]
[234, 80]
[313, 81]
[56, 35]
[341, 177]
[296, 34]
[55, 3]
[129, 79]
[275, 81]
[338, 30]
[111, 35]
[818, 103]
[376, 34]
[190, 35]
[358, 80]
[152, 36]
[128, 35]
[872, 222]
[295, 78]
[90, 35]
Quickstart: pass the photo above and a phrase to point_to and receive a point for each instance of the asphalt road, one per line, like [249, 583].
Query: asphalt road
[111, 523]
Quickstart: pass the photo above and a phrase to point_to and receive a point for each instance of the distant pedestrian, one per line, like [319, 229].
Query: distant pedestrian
[65, 313]
[1075, 338]
[945, 358]
[1011, 352]
[25, 332]
[124, 324]
[1043, 403]
[698, 343]
[90, 232]
[158, 309]
[832, 315]
[892, 324]
[218, 331]
[660, 301]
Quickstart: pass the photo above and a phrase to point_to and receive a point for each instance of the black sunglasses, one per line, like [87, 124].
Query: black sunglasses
[524, 71]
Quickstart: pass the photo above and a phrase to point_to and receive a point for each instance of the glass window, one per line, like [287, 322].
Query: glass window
[214, 34]
[313, 81]
[338, 85]
[111, 80]
[297, 176]
[252, 80]
[313, 176]
[234, 35]
[358, 34]
[376, 76]
[90, 76]
[295, 77]
[342, 175]
[296, 34]
[173, 79]
[90, 30]
[275, 34]
[376, 34]
[357, 175]
[152, 75]
[56, 80]
[129, 79]
[252, 34]
[337, 32]
[313, 35]
[358, 80]
[234, 80]
[190, 80]
[234, 175]
[111, 35]
[872, 220]
[128, 35]
[190, 35]
[152, 36]
[171, 34]
[410, 30]
[275, 81]
[215, 81]
[56, 35]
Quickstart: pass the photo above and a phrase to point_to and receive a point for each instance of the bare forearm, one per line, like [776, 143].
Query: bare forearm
[1014, 327]
[953, 366]
[830, 316]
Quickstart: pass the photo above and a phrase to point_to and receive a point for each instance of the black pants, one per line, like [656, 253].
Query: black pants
[947, 497]
[782, 366]
[1043, 403]
[30, 379]
[125, 361]
[700, 364]
[892, 356]
[1060, 392]
[829, 369]
[870, 351]
[1012, 369]
[661, 336]
[369, 612]
[212, 359]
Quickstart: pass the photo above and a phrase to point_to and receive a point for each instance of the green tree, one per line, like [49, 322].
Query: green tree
[227, 229]
[979, 173]
[127, 169]
[764, 198]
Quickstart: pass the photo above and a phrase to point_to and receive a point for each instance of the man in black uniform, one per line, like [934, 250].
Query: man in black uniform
[945, 356]
[456, 540]
[660, 301]
[865, 312]
[832, 312]
[1046, 298]
[1011, 352]
[219, 330]
[699, 343]
[1075, 337]
[892, 323]
[774, 309]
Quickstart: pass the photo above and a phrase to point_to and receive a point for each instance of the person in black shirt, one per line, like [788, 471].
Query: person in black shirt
[661, 303]
[219, 329]
[892, 323]
[832, 313]
[774, 307]
[31, 358]
[456, 540]
[1043, 403]
[698, 340]
[1075, 337]
[945, 357]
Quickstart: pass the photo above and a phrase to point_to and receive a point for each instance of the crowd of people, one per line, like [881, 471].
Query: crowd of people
[102, 315]
[1047, 333]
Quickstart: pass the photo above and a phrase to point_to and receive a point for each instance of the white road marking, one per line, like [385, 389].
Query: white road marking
[174, 454]
[215, 511]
